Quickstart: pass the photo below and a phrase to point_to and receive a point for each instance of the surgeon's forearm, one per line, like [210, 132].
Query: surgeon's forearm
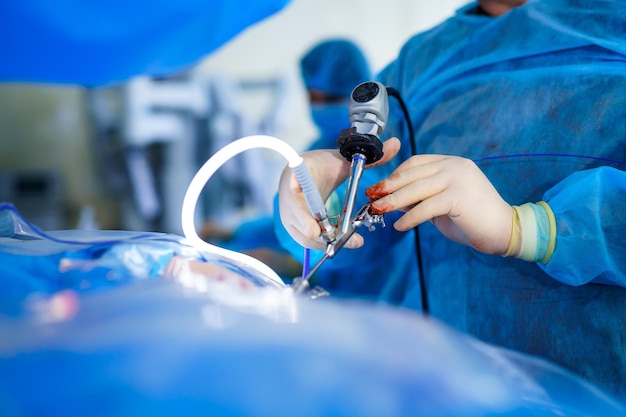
[590, 227]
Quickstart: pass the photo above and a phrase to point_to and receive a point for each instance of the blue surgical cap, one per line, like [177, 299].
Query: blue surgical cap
[335, 67]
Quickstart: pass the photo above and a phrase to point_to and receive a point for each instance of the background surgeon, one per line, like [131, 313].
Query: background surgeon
[330, 70]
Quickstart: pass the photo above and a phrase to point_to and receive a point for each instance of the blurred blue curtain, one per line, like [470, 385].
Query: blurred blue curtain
[99, 42]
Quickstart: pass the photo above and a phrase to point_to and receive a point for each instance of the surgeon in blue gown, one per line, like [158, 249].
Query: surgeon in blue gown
[516, 183]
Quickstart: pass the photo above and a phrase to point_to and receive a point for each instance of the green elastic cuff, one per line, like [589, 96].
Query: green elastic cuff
[551, 220]
[538, 232]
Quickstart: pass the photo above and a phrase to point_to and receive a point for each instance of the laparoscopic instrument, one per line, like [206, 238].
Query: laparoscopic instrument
[360, 145]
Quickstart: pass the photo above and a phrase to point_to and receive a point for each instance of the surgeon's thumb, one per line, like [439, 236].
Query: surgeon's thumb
[391, 147]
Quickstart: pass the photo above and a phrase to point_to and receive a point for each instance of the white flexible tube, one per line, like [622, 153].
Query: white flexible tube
[202, 177]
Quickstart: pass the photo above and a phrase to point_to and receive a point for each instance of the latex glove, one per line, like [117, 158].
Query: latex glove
[451, 192]
[328, 169]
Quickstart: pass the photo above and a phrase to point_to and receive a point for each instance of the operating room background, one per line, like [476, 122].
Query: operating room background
[65, 151]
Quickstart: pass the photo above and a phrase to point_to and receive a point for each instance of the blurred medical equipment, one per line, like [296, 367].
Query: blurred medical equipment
[259, 106]
[152, 134]
[162, 112]
[360, 144]
[39, 194]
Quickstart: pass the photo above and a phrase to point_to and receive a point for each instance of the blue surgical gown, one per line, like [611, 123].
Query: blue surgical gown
[537, 97]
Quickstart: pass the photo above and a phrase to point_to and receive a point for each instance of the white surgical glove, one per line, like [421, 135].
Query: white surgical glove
[328, 170]
[455, 195]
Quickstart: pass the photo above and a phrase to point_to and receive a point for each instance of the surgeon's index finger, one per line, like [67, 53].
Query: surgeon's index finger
[416, 180]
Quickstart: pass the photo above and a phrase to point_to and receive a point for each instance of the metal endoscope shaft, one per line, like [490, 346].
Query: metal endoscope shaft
[358, 162]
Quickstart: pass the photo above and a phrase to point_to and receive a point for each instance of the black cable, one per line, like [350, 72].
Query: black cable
[418, 248]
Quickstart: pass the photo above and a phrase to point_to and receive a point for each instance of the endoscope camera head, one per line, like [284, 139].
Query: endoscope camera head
[369, 109]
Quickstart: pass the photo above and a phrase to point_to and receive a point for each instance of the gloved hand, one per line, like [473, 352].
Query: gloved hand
[328, 170]
[451, 192]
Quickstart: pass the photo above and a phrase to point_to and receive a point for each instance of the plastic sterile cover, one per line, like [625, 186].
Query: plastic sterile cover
[43, 263]
[110, 334]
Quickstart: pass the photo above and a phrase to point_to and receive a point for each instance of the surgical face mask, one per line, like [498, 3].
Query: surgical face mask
[331, 119]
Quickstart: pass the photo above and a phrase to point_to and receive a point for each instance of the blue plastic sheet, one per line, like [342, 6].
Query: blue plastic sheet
[45, 263]
[106, 41]
[121, 339]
